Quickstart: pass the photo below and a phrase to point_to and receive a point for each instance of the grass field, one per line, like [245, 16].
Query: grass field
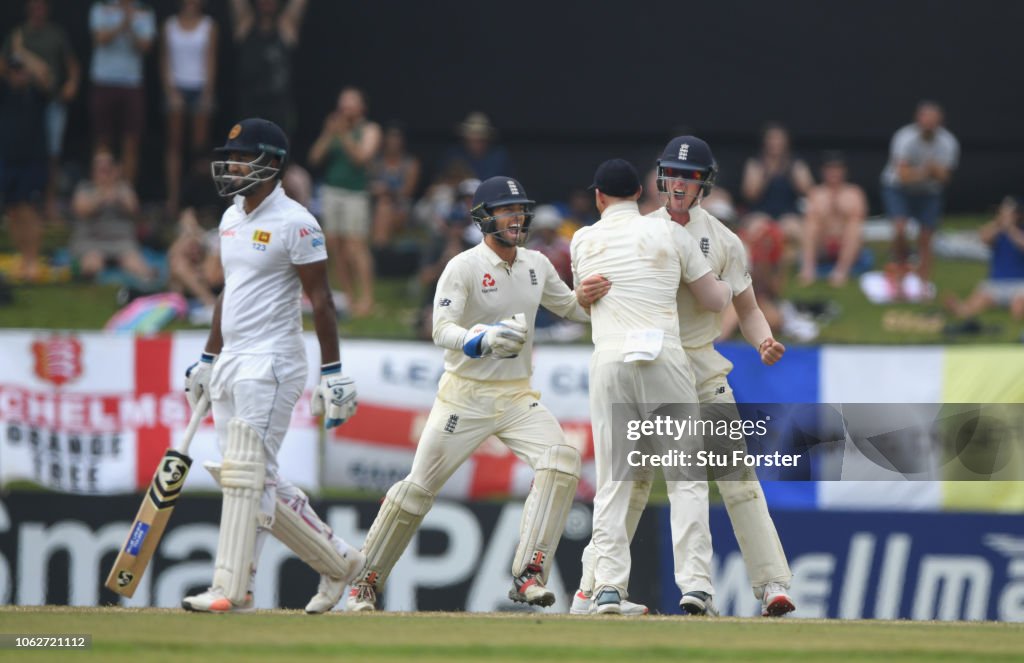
[166, 635]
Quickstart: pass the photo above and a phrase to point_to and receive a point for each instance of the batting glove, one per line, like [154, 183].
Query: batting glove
[504, 340]
[197, 381]
[335, 397]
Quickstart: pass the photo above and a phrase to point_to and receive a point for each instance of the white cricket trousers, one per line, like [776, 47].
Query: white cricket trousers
[640, 386]
[466, 412]
[261, 390]
[741, 492]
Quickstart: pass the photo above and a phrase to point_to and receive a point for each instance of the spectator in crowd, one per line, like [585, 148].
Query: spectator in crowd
[24, 88]
[346, 148]
[545, 237]
[122, 34]
[105, 208]
[775, 181]
[396, 174]
[50, 43]
[454, 235]
[298, 185]
[836, 210]
[432, 210]
[194, 257]
[922, 157]
[265, 39]
[581, 212]
[188, 66]
[478, 150]
[1005, 283]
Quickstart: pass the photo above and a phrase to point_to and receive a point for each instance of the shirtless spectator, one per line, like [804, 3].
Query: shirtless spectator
[836, 210]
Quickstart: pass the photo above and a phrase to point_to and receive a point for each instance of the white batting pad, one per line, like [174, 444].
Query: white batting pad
[403, 510]
[299, 527]
[547, 508]
[242, 475]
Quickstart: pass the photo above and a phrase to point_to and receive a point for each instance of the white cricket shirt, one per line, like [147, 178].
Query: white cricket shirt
[478, 287]
[727, 256]
[647, 260]
[261, 311]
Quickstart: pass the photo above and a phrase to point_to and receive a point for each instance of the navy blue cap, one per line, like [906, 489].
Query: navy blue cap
[616, 177]
[255, 136]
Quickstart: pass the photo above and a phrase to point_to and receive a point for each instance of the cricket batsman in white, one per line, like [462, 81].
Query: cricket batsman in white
[254, 369]
[484, 312]
[687, 172]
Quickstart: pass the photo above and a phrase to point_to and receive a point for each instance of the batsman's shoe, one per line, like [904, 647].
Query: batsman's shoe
[698, 603]
[584, 605]
[776, 601]
[608, 602]
[330, 590]
[213, 600]
[361, 598]
[528, 588]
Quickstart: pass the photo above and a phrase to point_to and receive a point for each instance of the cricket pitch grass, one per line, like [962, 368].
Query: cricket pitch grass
[153, 636]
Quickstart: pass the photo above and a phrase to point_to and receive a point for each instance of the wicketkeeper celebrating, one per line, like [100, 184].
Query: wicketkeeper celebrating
[484, 313]
[254, 368]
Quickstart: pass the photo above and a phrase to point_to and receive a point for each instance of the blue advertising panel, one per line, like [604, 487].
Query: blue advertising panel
[882, 565]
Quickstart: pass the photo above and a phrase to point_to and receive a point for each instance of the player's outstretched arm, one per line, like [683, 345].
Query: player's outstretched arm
[755, 327]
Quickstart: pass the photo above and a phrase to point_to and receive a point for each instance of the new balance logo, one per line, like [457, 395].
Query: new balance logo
[533, 277]
[720, 390]
[684, 151]
[512, 188]
[705, 246]
[453, 421]
[445, 302]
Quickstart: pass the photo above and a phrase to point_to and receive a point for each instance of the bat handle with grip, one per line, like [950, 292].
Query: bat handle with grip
[198, 414]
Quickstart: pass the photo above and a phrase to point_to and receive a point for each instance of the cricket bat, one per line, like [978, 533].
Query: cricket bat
[156, 509]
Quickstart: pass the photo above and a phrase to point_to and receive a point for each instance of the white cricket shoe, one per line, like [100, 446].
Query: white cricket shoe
[330, 590]
[584, 605]
[698, 604]
[528, 588]
[361, 598]
[608, 602]
[776, 602]
[213, 600]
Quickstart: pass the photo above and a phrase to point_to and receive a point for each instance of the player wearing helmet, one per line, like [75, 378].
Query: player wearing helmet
[687, 171]
[484, 311]
[254, 370]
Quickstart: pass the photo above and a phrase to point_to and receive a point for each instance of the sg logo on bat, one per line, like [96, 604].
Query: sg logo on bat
[170, 478]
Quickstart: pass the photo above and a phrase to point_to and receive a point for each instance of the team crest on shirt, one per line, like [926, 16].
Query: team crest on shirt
[705, 246]
[260, 240]
[489, 284]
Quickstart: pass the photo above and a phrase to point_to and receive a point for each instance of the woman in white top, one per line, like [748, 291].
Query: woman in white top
[188, 65]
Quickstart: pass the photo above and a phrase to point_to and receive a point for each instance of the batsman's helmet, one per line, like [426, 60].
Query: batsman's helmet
[497, 192]
[687, 158]
[262, 139]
